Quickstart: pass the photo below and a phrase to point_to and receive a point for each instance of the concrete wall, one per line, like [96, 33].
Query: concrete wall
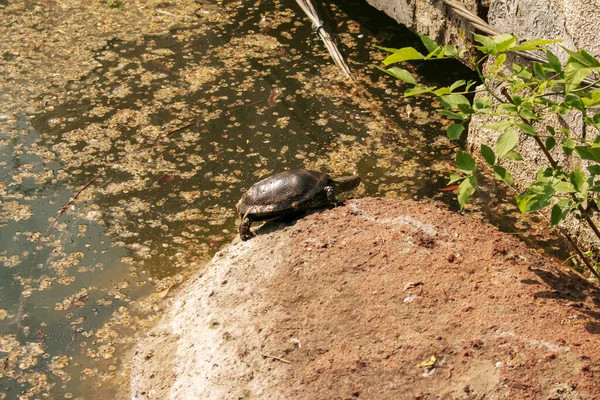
[576, 22]
[431, 18]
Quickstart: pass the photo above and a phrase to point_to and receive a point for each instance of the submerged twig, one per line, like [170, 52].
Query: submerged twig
[103, 171]
[71, 200]
[311, 12]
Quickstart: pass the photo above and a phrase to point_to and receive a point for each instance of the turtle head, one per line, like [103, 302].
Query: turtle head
[345, 183]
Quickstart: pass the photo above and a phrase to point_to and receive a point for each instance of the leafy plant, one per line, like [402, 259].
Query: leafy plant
[518, 97]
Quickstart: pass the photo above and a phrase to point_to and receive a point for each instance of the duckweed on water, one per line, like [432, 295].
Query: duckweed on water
[120, 168]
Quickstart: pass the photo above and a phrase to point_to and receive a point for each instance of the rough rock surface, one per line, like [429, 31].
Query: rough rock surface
[353, 302]
[431, 18]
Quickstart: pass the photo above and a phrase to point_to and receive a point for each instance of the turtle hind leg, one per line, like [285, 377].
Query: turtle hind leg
[245, 232]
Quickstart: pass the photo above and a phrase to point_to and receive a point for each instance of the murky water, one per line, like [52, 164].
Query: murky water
[126, 184]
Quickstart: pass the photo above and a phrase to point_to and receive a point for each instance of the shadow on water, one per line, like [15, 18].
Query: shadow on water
[256, 94]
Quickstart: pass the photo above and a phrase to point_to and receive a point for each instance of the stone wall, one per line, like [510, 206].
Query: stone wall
[576, 22]
[431, 18]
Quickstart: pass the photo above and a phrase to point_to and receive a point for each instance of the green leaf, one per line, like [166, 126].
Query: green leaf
[586, 153]
[452, 101]
[465, 108]
[488, 154]
[404, 54]
[545, 175]
[539, 69]
[499, 126]
[575, 73]
[574, 102]
[470, 83]
[568, 145]
[577, 178]
[528, 115]
[488, 44]
[388, 49]
[504, 42]
[594, 169]
[527, 129]
[452, 51]
[513, 155]
[563, 110]
[455, 178]
[401, 74]
[417, 90]
[455, 131]
[506, 142]
[522, 71]
[453, 115]
[550, 143]
[535, 198]
[593, 97]
[483, 104]
[534, 44]
[430, 45]
[517, 100]
[465, 163]
[582, 57]
[511, 108]
[503, 174]
[457, 84]
[565, 187]
[466, 190]
[554, 62]
[439, 52]
[560, 211]
[500, 59]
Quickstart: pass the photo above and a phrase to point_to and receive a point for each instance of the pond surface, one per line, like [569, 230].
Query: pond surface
[126, 183]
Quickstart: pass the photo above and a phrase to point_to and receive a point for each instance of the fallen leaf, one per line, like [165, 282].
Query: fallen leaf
[429, 363]
[272, 98]
[165, 179]
[449, 188]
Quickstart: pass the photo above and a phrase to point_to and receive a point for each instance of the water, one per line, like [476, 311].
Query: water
[126, 185]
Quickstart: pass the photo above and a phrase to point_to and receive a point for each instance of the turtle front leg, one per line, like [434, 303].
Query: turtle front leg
[245, 232]
[331, 200]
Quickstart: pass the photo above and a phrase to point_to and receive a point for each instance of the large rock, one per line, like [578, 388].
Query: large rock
[354, 302]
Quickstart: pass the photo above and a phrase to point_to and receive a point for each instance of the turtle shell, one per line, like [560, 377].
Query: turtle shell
[287, 191]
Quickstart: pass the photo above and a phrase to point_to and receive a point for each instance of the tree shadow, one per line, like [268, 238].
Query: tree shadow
[575, 291]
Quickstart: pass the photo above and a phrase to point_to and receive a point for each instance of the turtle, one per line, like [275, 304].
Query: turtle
[289, 192]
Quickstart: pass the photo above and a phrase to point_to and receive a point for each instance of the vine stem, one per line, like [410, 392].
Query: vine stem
[554, 164]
